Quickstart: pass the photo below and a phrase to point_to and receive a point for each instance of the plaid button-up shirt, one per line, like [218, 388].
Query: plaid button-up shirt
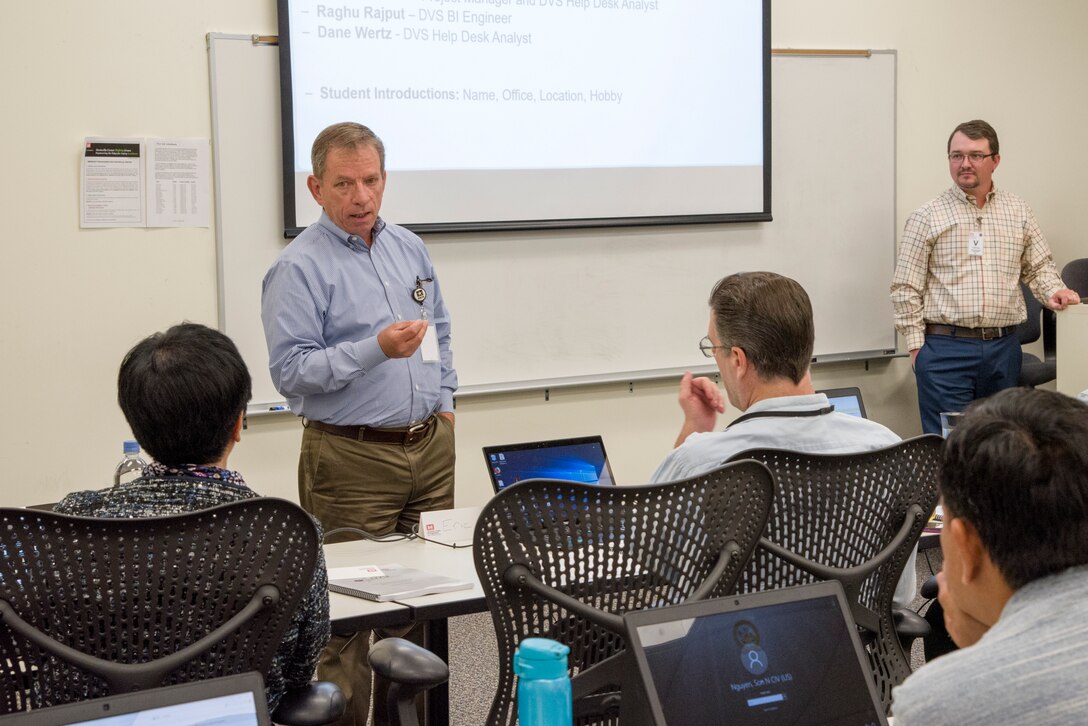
[937, 281]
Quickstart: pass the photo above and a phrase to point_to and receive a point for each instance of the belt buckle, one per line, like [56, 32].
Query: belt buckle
[991, 333]
[415, 432]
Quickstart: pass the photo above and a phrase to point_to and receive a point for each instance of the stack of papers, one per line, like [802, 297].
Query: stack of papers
[936, 521]
[382, 583]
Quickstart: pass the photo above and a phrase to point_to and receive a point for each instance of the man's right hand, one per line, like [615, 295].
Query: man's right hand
[965, 629]
[913, 357]
[701, 401]
[402, 339]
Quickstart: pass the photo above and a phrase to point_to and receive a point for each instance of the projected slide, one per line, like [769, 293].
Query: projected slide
[497, 110]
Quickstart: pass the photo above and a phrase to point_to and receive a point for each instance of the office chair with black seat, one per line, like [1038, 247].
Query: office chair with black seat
[565, 561]
[1040, 322]
[854, 518]
[1075, 276]
[91, 607]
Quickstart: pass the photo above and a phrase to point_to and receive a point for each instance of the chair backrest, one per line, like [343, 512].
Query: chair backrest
[565, 561]
[90, 606]
[1030, 330]
[1075, 275]
[837, 516]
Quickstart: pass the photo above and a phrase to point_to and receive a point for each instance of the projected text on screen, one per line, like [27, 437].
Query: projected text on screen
[506, 110]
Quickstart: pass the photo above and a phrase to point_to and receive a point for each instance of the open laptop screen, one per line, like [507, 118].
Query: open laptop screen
[581, 460]
[237, 700]
[846, 400]
[778, 657]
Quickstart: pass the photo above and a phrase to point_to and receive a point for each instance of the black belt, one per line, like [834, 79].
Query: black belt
[957, 331]
[403, 436]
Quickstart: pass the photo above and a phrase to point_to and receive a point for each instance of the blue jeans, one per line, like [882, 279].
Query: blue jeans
[951, 372]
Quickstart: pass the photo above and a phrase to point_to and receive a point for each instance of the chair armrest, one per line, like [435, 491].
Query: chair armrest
[313, 704]
[402, 661]
[929, 588]
[910, 625]
[410, 669]
[124, 677]
[519, 575]
[849, 576]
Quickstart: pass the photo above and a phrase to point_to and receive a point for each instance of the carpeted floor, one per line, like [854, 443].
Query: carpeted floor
[474, 658]
[474, 663]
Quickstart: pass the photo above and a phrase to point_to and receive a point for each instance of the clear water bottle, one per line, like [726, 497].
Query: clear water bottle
[544, 693]
[132, 466]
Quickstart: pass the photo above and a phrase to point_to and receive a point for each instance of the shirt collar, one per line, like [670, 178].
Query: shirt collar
[349, 240]
[789, 403]
[963, 196]
[155, 470]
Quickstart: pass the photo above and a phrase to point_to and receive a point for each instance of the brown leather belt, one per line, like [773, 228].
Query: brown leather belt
[957, 331]
[404, 437]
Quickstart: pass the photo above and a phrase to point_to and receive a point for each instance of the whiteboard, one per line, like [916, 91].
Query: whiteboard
[551, 308]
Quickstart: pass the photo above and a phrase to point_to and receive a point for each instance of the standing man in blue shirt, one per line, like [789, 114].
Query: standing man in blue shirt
[359, 343]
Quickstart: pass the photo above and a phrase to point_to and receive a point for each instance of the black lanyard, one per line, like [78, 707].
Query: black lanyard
[780, 414]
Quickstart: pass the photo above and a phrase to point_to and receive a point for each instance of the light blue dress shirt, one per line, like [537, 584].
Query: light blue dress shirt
[831, 433]
[323, 303]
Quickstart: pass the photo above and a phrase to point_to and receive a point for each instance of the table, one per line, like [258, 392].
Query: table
[349, 614]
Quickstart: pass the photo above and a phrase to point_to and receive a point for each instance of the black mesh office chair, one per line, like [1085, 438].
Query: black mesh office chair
[1040, 322]
[1075, 276]
[854, 518]
[90, 607]
[565, 561]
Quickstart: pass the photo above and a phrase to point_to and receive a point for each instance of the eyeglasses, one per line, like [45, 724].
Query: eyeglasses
[957, 158]
[708, 348]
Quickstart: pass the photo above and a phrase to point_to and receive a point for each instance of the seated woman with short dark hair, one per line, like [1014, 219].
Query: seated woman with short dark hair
[184, 394]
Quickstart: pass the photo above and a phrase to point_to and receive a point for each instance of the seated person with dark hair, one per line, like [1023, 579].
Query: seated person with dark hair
[184, 394]
[1014, 486]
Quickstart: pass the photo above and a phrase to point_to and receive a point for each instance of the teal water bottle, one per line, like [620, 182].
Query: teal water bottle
[544, 695]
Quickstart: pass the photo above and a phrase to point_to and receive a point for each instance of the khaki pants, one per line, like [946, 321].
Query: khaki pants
[379, 488]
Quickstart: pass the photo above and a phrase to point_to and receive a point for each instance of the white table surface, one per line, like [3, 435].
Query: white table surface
[354, 613]
[428, 556]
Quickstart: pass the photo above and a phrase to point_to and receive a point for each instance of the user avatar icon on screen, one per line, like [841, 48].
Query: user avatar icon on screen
[752, 656]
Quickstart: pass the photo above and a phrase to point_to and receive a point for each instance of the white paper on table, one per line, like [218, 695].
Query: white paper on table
[178, 182]
[111, 183]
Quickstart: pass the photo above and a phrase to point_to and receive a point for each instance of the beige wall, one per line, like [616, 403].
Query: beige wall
[73, 301]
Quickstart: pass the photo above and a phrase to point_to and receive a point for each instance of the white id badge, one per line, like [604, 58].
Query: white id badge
[429, 347]
[974, 244]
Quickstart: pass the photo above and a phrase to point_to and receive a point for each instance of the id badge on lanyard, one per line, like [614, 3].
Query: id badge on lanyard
[974, 244]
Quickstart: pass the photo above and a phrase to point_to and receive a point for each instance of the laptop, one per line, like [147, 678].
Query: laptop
[580, 460]
[237, 700]
[784, 656]
[846, 400]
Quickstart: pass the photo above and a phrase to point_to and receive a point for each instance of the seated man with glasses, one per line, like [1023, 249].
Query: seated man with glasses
[761, 335]
[956, 289]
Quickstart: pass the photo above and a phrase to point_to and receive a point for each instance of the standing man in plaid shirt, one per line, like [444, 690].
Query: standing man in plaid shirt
[956, 290]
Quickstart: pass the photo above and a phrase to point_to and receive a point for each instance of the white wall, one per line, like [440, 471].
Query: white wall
[73, 301]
